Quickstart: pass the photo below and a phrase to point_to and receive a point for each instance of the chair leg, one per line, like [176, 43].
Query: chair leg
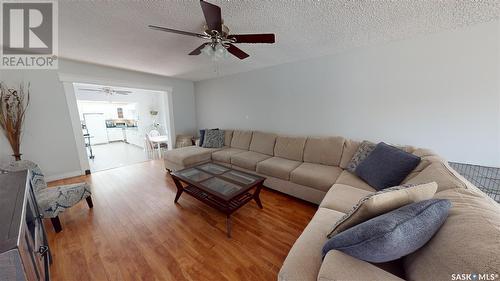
[89, 202]
[56, 223]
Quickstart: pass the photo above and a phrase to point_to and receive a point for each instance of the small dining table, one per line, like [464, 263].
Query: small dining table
[158, 140]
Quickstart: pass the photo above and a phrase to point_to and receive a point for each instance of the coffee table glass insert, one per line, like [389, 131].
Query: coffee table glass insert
[213, 168]
[220, 187]
[240, 177]
[195, 175]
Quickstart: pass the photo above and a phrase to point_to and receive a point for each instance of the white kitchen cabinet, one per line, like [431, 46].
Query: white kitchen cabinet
[134, 137]
[116, 134]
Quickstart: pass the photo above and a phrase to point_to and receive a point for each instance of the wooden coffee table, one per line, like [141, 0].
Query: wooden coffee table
[220, 187]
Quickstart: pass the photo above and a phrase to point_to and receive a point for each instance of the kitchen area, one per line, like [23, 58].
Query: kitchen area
[116, 124]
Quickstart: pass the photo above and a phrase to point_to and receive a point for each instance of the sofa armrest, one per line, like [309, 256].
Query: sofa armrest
[340, 266]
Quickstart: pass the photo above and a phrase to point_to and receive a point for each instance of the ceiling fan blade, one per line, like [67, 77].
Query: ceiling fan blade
[237, 52]
[155, 27]
[213, 16]
[122, 92]
[253, 38]
[91, 90]
[197, 51]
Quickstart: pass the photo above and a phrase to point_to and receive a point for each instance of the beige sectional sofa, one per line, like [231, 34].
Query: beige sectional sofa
[313, 169]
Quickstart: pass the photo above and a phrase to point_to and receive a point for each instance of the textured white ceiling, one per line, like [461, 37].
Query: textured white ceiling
[115, 32]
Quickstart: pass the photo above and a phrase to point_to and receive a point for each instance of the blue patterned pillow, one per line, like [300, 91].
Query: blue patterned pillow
[364, 149]
[392, 235]
[202, 136]
[214, 138]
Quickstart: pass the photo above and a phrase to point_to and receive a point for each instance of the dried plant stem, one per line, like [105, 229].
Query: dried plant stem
[13, 105]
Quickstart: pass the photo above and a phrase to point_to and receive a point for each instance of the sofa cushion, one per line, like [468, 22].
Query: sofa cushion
[263, 143]
[343, 197]
[225, 154]
[468, 241]
[241, 139]
[350, 147]
[315, 175]
[189, 155]
[228, 135]
[394, 234]
[304, 259]
[291, 148]
[381, 202]
[386, 166]
[248, 159]
[422, 152]
[324, 150]
[364, 149]
[348, 178]
[352, 269]
[441, 174]
[277, 167]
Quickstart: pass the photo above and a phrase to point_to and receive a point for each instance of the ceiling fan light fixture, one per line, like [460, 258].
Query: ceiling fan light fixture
[208, 50]
[215, 51]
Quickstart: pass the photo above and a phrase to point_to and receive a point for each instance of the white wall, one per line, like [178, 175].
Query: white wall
[48, 136]
[439, 91]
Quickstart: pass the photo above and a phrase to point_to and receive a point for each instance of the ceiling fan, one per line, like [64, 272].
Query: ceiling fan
[107, 90]
[218, 34]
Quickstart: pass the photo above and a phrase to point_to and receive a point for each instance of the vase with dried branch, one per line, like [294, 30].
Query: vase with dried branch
[13, 105]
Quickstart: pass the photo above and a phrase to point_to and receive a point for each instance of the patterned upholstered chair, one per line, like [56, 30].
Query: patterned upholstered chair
[53, 200]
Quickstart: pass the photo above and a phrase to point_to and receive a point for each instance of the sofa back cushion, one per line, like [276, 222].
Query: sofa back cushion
[290, 147]
[263, 143]
[241, 139]
[440, 173]
[228, 135]
[324, 150]
[348, 151]
[468, 241]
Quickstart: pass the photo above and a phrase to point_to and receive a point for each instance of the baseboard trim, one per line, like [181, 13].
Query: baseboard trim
[63, 176]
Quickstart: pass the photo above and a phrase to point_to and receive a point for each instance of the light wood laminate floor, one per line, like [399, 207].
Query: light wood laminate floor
[114, 155]
[136, 232]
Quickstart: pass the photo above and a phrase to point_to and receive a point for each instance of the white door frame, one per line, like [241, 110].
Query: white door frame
[68, 80]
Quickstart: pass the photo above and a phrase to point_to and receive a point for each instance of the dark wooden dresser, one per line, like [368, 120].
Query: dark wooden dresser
[24, 251]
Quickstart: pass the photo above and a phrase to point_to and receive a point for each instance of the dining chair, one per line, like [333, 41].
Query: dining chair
[154, 133]
[150, 147]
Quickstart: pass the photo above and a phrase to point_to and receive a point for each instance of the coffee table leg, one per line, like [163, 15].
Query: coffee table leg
[228, 225]
[256, 196]
[180, 189]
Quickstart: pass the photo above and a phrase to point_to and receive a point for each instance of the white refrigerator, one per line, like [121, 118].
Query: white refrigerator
[96, 126]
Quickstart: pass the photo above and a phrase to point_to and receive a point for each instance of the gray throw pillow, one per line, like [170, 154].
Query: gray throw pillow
[386, 166]
[213, 138]
[392, 235]
[364, 149]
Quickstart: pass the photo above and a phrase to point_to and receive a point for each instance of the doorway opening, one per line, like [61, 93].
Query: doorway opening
[121, 126]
